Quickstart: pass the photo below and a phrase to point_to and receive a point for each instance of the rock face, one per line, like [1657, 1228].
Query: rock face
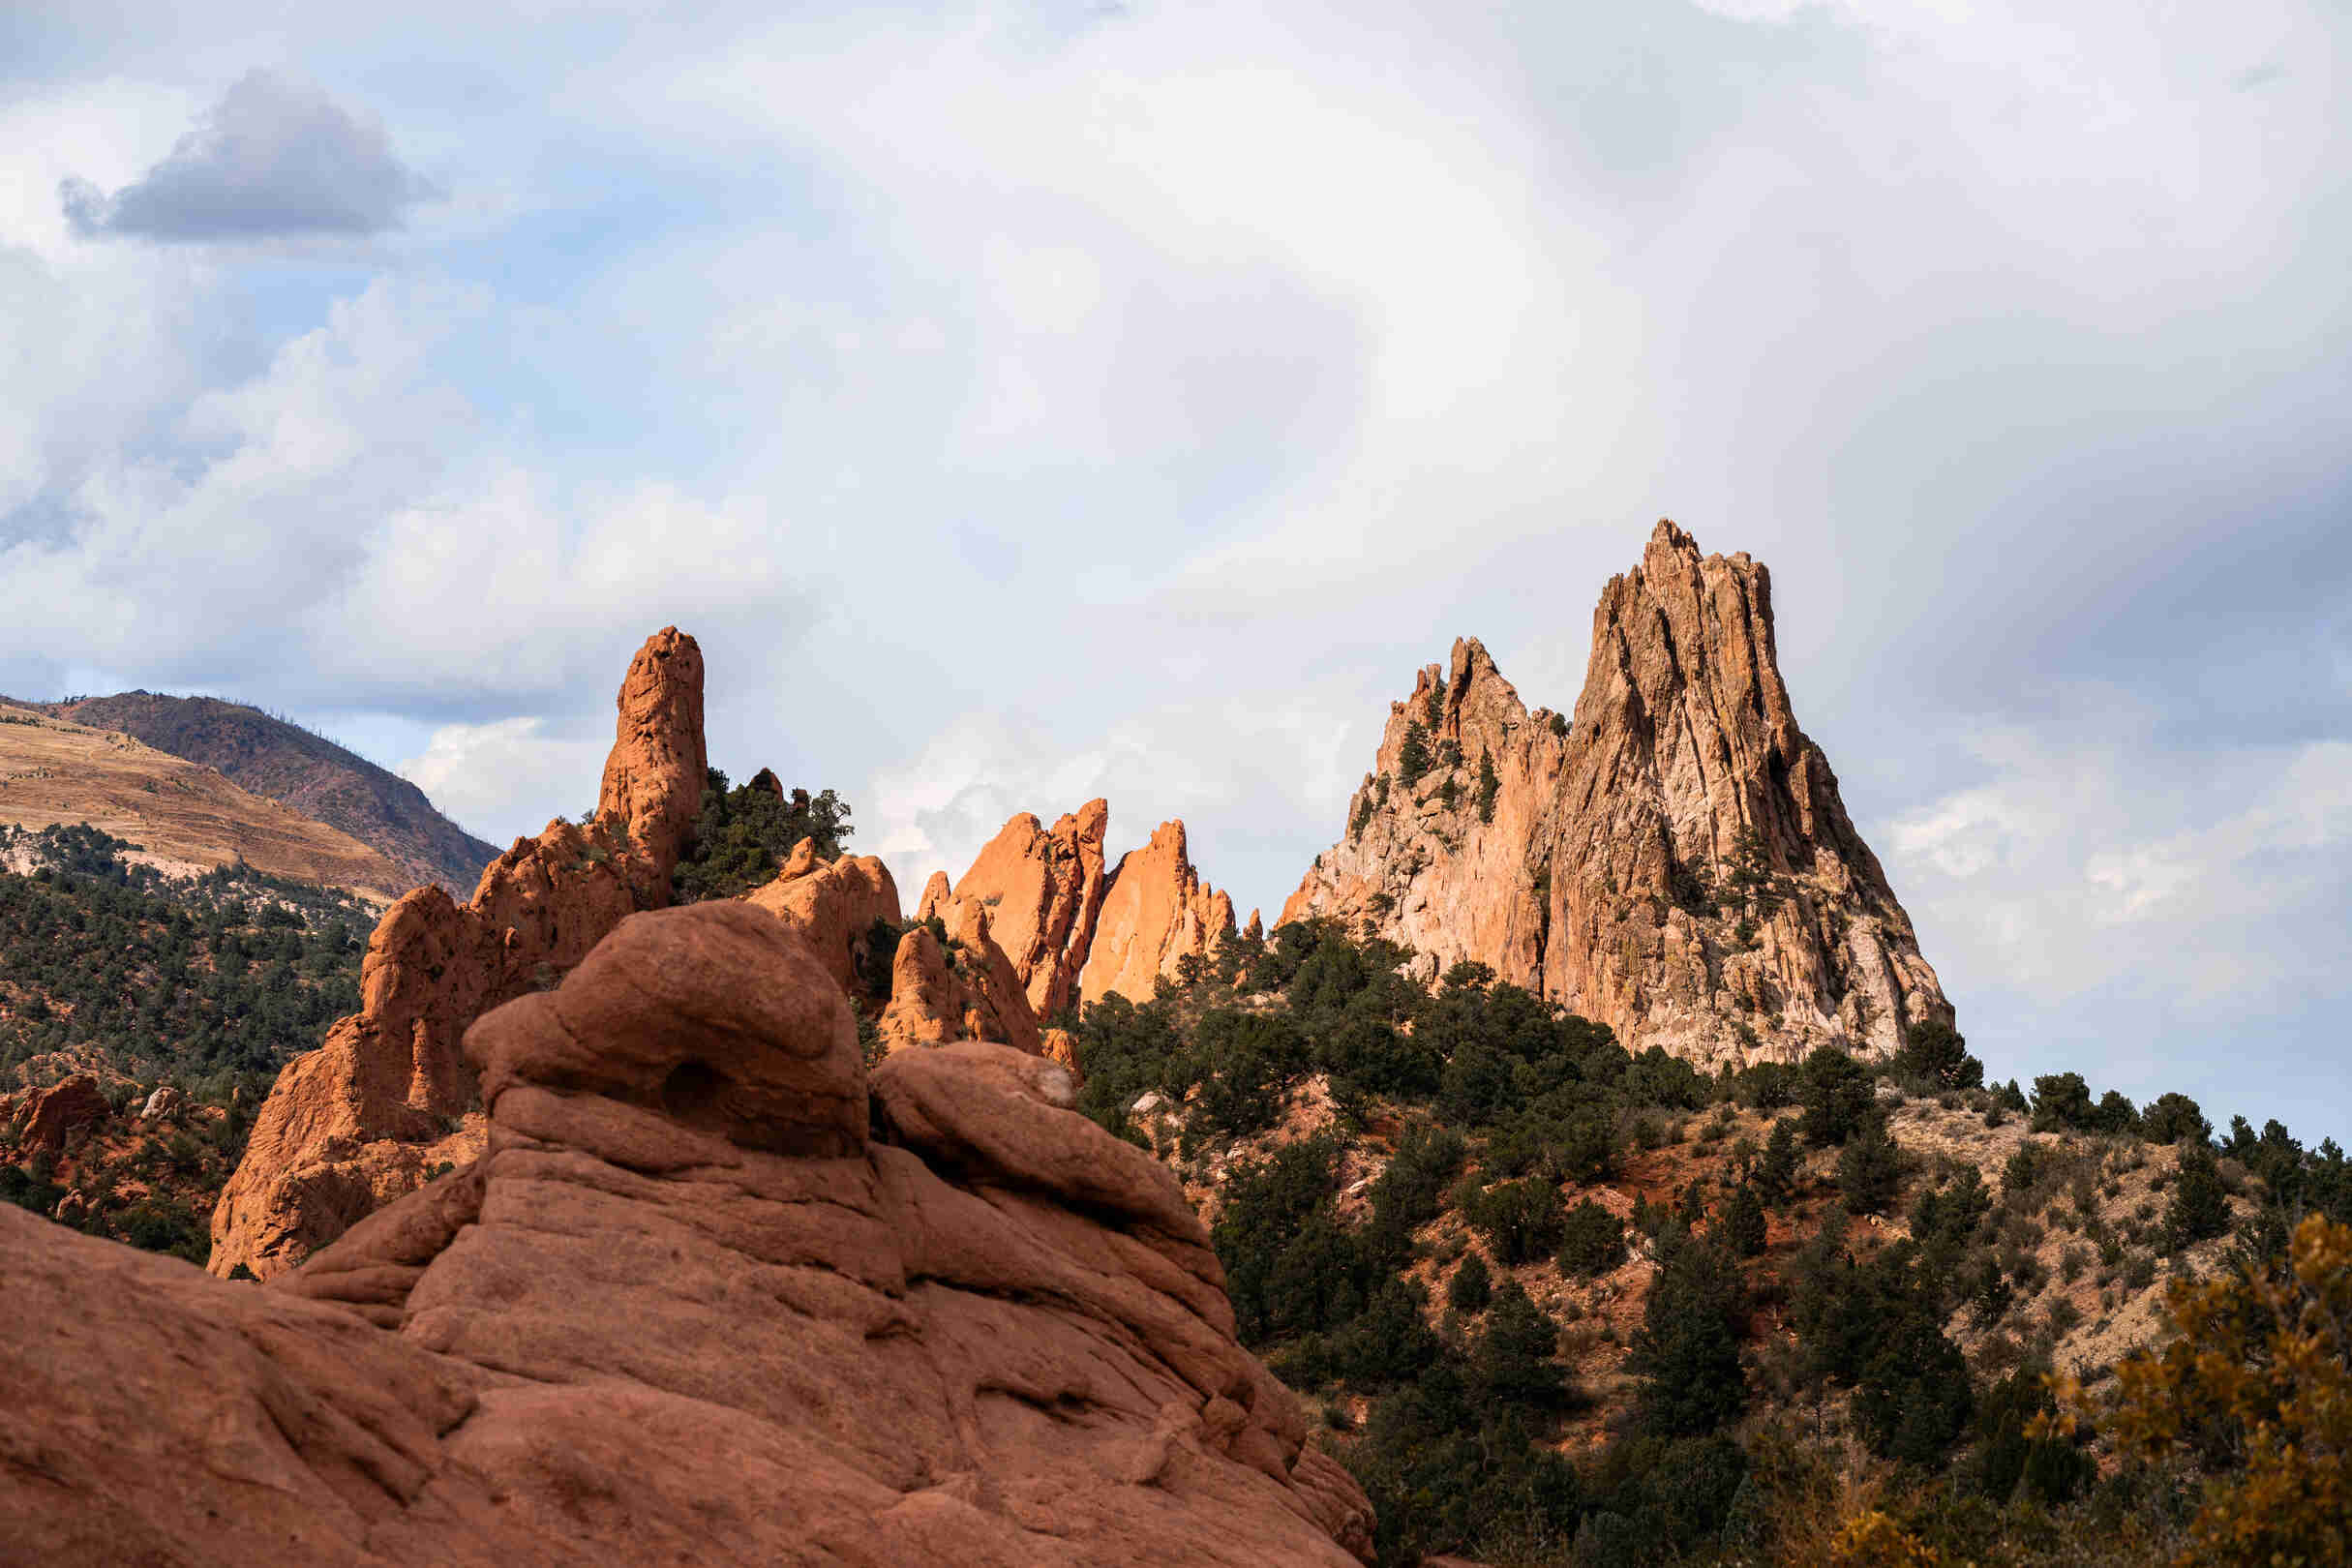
[1155, 911]
[1042, 889]
[1673, 861]
[833, 905]
[653, 777]
[689, 1306]
[387, 1097]
[966, 989]
[47, 1115]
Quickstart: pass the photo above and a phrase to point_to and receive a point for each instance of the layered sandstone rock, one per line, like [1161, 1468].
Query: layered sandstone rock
[1042, 889]
[690, 1306]
[834, 906]
[1155, 912]
[1673, 861]
[389, 1097]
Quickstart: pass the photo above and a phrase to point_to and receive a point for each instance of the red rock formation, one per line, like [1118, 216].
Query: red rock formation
[1675, 862]
[964, 990]
[653, 777]
[688, 1307]
[832, 905]
[386, 1099]
[1043, 891]
[1155, 911]
[935, 897]
[47, 1115]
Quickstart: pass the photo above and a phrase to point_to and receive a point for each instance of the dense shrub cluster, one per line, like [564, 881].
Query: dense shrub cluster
[741, 834]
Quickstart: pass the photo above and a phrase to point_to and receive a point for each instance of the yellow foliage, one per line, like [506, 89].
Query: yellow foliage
[1872, 1540]
[2260, 1378]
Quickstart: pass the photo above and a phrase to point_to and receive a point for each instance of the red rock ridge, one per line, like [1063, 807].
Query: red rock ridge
[387, 1097]
[1674, 861]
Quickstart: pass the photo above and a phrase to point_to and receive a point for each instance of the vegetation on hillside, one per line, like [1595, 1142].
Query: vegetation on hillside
[1561, 1303]
[207, 985]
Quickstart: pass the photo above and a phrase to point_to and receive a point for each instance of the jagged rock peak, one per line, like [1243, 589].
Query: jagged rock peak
[714, 1293]
[1155, 912]
[1673, 861]
[358, 1122]
[1042, 889]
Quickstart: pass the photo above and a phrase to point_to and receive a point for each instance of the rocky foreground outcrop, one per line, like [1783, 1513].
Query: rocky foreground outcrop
[389, 1097]
[1672, 860]
[712, 1295]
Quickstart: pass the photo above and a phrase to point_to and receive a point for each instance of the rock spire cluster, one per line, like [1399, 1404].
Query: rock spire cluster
[1672, 859]
[1074, 932]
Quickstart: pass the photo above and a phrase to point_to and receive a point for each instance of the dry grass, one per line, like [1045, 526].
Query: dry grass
[188, 817]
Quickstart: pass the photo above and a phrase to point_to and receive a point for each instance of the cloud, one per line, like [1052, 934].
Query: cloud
[505, 779]
[273, 159]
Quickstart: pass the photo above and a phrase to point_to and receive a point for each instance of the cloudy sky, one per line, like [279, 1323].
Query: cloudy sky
[1035, 401]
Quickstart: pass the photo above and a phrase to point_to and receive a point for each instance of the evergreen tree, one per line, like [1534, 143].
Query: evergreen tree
[1413, 756]
[1471, 1287]
[1776, 1172]
[1512, 1358]
[1687, 1352]
[1870, 1168]
[1592, 1241]
[2200, 1207]
[1834, 1092]
[1490, 785]
[1742, 1223]
[1935, 1050]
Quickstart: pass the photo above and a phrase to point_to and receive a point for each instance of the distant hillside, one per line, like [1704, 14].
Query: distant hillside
[183, 816]
[306, 771]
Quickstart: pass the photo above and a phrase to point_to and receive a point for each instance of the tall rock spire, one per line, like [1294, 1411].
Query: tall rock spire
[1672, 860]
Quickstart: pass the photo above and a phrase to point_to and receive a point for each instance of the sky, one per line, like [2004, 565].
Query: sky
[1028, 401]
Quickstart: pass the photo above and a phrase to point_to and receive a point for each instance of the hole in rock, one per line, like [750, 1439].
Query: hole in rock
[691, 1095]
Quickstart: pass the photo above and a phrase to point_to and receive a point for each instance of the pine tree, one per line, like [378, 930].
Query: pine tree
[1687, 1354]
[1471, 1287]
[1413, 756]
[1742, 1222]
[1776, 1173]
[1512, 1359]
[1870, 1168]
[1489, 784]
[2200, 1206]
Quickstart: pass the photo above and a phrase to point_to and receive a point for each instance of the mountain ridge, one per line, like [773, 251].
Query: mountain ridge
[299, 768]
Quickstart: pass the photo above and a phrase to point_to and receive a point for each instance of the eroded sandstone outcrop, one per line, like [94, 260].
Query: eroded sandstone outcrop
[1042, 889]
[689, 1306]
[833, 905]
[389, 1097]
[47, 1115]
[965, 989]
[1155, 912]
[1672, 860]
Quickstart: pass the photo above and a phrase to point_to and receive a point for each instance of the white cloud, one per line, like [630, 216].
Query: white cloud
[507, 779]
[2079, 867]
